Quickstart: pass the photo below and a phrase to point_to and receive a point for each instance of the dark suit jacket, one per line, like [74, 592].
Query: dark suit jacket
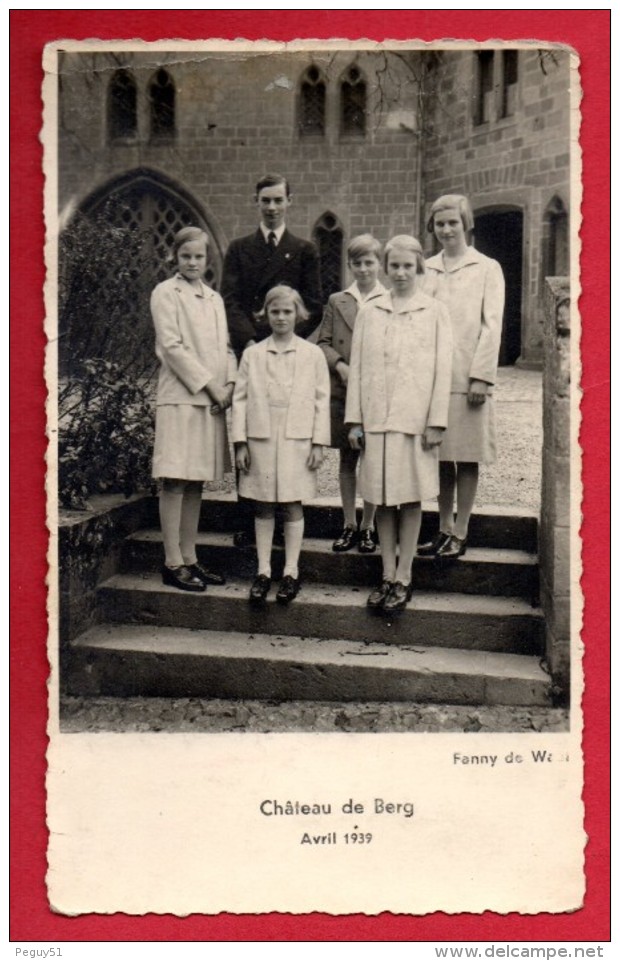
[251, 269]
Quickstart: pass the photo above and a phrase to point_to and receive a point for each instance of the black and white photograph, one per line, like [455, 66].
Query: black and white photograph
[313, 468]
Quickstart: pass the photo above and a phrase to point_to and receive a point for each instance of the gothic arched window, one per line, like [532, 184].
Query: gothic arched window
[328, 236]
[353, 103]
[122, 106]
[162, 103]
[312, 103]
[113, 252]
[556, 262]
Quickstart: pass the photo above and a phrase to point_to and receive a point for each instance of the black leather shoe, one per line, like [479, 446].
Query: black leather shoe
[452, 549]
[367, 543]
[431, 548]
[243, 539]
[398, 597]
[288, 590]
[182, 578]
[346, 541]
[376, 599]
[205, 575]
[260, 588]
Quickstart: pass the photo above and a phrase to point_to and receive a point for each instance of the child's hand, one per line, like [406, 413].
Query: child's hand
[477, 393]
[432, 437]
[242, 457]
[356, 437]
[315, 458]
[221, 397]
[343, 371]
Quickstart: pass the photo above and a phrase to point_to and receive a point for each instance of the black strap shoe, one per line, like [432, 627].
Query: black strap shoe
[346, 541]
[205, 575]
[260, 588]
[288, 590]
[398, 597]
[182, 578]
[367, 541]
[376, 599]
[431, 548]
[454, 548]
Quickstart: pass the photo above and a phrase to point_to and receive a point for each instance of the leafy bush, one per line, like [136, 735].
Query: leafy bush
[107, 270]
[106, 435]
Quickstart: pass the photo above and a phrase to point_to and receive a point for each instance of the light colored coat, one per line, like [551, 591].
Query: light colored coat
[421, 392]
[184, 343]
[308, 410]
[336, 333]
[474, 292]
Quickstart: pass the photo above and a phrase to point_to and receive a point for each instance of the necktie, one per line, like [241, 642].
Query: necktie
[271, 240]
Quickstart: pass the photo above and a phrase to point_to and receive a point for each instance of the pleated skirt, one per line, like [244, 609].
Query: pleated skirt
[191, 443]
[395, 469]
[278, 466]
[470, 435]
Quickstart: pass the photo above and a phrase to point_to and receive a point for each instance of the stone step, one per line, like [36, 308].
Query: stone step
[466, 621]
[491, 527]
[510, 573]
[128, 660]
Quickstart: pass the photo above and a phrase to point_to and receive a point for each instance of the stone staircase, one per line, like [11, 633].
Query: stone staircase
[471, 635]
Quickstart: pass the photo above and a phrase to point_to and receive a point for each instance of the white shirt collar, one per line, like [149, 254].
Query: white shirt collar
[265, 232]
[361, 298]
[275, 349]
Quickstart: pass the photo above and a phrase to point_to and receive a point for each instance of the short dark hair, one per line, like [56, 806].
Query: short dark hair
[363, 245]
[273, 180]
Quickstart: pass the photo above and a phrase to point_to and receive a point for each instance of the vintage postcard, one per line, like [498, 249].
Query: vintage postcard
[314, 480]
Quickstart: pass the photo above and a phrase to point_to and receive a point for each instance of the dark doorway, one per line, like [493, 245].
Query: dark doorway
[499, 234]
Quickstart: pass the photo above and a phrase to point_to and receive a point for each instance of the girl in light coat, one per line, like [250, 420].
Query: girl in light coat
[280, 423]
[196, 380]
[472, 288]
[397, 409]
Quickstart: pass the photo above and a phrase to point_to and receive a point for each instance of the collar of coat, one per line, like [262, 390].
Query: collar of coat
[184, 286]
[471, 256]
[417, 301]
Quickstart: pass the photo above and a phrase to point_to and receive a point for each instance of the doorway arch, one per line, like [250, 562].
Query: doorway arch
[115, 249]
[499, 234]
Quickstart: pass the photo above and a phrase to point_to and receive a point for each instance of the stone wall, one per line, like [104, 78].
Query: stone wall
[518, 162]
[554, 546]
[236, 119]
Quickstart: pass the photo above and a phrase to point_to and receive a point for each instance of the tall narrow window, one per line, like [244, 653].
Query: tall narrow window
[312, 103]
[556, 261]
[122, 106]
[328, 236]
[162, 102]
[510, 75]
[484, 100]
[353, 103]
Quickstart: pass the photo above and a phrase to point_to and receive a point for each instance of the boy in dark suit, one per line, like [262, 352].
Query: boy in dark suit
[264, 259]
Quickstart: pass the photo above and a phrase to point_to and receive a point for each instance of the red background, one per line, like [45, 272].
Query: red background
[589, 33]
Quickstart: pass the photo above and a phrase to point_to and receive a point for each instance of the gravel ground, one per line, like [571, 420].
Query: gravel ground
[198, 715]
[514, 480]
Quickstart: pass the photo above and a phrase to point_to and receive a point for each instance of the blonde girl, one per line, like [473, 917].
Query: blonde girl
[196, 380]
[280, 423]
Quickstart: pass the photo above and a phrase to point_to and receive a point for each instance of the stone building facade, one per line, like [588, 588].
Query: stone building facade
[367, 139]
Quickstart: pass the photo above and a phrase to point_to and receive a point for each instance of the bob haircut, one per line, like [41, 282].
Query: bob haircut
[281, 292]
[272, 180]
[406, 242]
[186, 235]
[363, 245]
[456, 202]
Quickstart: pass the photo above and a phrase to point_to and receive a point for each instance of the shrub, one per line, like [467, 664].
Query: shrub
[106, 435]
